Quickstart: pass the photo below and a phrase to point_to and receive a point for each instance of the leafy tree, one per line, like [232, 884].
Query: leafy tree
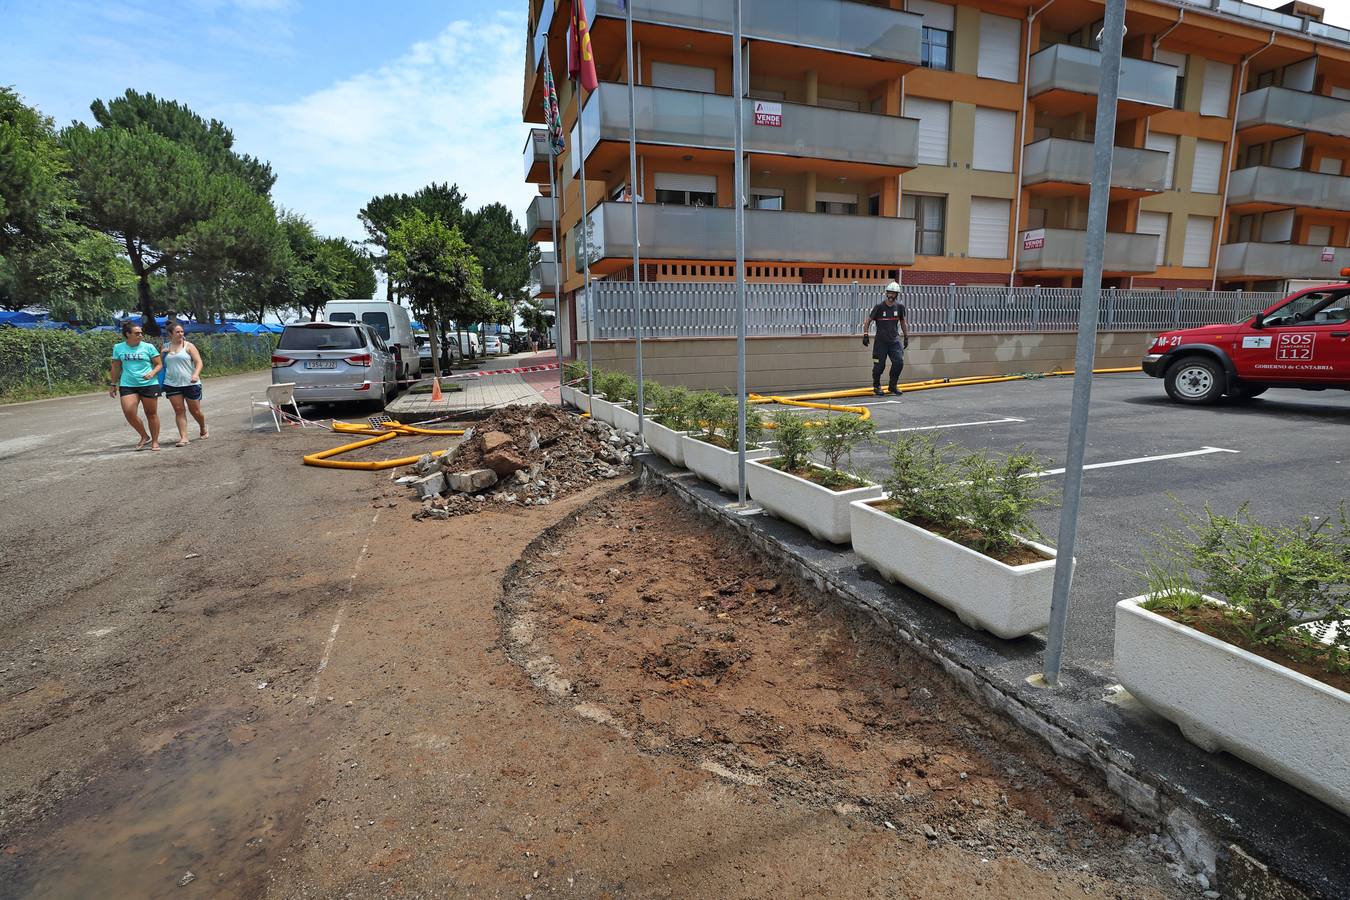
[439, 201]
[438, 272]
[534, 316]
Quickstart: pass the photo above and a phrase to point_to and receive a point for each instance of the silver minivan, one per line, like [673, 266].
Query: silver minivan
[334, 362]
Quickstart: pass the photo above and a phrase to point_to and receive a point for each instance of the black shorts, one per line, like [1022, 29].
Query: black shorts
[148, 391]
[186, 391]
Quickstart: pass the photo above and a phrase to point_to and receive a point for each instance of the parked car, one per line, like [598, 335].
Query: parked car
[391, 321]
[492, 345]
[450, 353]
[331, 362]
[1302, 341]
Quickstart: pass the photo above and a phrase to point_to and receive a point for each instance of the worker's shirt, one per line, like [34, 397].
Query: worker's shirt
[888, 321]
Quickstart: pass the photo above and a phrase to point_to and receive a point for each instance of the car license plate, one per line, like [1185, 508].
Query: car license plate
[321, 364]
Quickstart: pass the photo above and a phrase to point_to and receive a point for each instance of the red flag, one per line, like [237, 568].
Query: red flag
[580, 59]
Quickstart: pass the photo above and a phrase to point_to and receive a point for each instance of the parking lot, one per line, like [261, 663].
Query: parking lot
[1285, 454]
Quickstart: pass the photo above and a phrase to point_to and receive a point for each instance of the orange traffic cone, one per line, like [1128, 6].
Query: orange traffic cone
[435, 390]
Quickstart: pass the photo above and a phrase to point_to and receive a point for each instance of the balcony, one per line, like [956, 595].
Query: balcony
[539, 40]
[1263, 188]
[536, 156]
[1058, 251]
[539, 219]
[1064, 79]
[708, 233]
[1253, 261]
[1062, 167]
[1274, 112]
[872, 145]
[542, 275]
[838, 26]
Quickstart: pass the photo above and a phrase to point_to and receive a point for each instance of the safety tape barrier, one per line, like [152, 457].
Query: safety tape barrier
[359, 385]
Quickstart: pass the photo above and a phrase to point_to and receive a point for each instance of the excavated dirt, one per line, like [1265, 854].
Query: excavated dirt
[638, 617]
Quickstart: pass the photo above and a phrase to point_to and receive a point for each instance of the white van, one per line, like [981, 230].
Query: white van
[390, 321]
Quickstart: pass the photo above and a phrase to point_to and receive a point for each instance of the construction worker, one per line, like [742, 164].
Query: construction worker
[889, 315]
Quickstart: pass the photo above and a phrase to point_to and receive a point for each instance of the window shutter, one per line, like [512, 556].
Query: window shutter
[1167, 143]
[935, 15]
[994, 136]
[989, 227]
[687, 78]
[1341, 93]
[1277, 227]
[1208, 164]
[1299, 76]
[1218, 86]
[676, 181]
[1199, 237]
[1288, 153]
[1319, 235]
[934, 124]
[998, 47]
[1329, 165]
[1171, 58]
[1154, 223]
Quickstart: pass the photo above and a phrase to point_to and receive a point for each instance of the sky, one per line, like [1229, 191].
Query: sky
[346, 99]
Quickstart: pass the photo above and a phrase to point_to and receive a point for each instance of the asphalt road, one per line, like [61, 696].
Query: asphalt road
[1289, 456]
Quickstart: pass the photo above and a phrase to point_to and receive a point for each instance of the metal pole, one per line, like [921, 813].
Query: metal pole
[557, 271]
[580, 150]
[738, 198]
[633, 202]
[45, 367]
[1102, 146]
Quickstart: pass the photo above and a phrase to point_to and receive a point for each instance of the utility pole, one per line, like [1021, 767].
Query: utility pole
[633, 202]
[738, 199]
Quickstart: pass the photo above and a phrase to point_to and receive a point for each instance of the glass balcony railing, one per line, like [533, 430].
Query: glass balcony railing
[708, 233]
[692, 119]
[1296, 111]
[1063, 67]
[539, 217]
[1063, 249]
[1056, 160]
[1270, 261]
[841, 25]
[1289, 187]
[542, 273]
[536, 156]
[1254, 13]
[540, 39]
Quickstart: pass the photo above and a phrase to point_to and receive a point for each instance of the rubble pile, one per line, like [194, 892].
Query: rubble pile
[526, 455]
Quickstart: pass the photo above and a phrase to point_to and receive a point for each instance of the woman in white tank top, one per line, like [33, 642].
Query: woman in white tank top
[183, 382]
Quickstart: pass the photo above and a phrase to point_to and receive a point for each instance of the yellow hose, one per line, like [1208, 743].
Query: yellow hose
[323, 459]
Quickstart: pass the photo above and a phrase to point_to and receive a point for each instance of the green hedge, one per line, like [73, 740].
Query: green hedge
[78, 363]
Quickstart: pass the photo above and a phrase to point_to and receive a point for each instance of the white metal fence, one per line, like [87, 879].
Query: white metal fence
[708, 309]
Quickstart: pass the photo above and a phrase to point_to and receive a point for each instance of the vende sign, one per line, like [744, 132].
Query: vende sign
[1033, 240]
[767, 113]
[1328, 254]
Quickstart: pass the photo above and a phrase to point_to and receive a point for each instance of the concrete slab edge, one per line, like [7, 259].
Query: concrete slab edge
[1212, 843]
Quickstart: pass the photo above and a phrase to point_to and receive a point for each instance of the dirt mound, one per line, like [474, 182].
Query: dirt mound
[526, 455]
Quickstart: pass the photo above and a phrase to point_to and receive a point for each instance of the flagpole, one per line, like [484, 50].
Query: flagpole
[633, 202]
[580, 150]
[557, 271]
[738, 198]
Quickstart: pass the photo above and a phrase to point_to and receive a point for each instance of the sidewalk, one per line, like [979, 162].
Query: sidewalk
[480, 394]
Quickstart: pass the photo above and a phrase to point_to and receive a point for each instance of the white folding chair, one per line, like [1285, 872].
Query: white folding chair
[279, 395]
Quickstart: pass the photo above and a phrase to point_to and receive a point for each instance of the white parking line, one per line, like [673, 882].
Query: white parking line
[1204, 451]
[952, 425]
[341, 614]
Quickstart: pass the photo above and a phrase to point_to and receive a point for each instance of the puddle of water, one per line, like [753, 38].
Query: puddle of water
[221, 804]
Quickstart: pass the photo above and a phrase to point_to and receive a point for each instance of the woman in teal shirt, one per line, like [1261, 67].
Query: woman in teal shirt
[135, 380]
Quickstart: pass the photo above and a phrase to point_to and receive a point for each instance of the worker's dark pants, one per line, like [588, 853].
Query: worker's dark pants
[895, 352]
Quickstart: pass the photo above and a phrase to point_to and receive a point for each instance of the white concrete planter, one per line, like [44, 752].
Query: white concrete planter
[602, 409]
[1008, 601]
[666, 442]
[569, 395]
[1225, 698]
[715, 465]
[821, 511]
[625, 418]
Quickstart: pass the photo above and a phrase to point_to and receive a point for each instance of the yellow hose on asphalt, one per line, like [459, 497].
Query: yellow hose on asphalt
[933, 383]
[323, 459]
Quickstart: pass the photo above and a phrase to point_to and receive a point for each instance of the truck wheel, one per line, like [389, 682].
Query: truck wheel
[1247, 391]
[1196, 380]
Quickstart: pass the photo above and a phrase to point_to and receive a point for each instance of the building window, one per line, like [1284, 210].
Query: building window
[874, 205]
[937, 49]
[686, 190]
[766, 198]
[837, 204]
[929, 213]
[685, 198]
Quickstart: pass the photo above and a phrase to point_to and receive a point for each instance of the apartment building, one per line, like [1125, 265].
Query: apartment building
[938, 143]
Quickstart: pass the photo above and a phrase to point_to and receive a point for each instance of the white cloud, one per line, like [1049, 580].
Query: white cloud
[448, 110]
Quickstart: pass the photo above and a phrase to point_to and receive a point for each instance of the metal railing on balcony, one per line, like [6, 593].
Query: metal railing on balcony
[540, 38]
[1296, 111]
[536, 155]
[693, 119]
[707, 233]
[839, 25]
[539, 215]
[542, 273]
[1063, 67]
[1056, 160]
[1063, 250]
[1289, 187]
[708, 309]
[1272, 261]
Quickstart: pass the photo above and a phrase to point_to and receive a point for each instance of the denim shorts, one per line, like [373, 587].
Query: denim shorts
[148, 391]
[186, 391]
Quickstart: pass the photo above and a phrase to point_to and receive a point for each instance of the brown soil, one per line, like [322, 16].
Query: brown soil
[826, 478]
[966, 537]
[1290, 652]
[691, 649]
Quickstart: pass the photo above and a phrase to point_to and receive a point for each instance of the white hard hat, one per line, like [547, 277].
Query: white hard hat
[893, 288]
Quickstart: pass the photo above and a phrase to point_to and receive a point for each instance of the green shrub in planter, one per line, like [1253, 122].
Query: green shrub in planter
[669, 406]
[614, 386]
[795, 440]
[838, 436]
[574, 373]
[702, 412]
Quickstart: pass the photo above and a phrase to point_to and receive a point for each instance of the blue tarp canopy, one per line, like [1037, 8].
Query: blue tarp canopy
[17, 318]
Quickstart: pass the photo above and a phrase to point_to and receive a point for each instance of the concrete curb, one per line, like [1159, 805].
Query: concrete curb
[1244, 831]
